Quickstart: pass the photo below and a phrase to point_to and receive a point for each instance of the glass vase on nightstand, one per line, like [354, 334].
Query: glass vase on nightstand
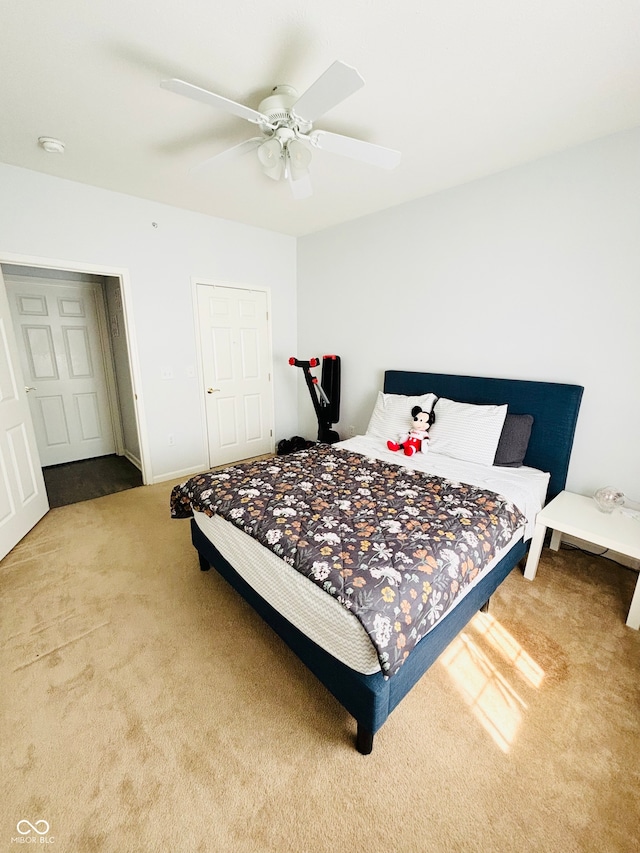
[608, 498]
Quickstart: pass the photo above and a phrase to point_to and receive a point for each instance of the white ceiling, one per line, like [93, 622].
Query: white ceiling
[462, 88]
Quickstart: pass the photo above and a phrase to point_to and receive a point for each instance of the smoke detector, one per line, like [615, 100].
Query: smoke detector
[51, 145]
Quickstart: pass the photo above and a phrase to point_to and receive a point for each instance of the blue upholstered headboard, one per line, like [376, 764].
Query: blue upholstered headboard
[554, 407]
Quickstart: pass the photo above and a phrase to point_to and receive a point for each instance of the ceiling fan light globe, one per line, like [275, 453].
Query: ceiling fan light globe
[270, 157]
[299, 159]
[275, 172]
[270, 152]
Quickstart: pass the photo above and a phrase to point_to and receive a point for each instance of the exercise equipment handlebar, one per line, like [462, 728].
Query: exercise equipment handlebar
[313, 362]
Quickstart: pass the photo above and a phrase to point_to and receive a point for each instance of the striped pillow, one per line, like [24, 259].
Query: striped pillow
[466, 431]
[391, 415]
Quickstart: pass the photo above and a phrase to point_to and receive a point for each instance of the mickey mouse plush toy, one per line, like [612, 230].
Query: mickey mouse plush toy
[417, 438]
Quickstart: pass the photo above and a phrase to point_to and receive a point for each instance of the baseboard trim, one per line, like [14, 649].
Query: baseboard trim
[133, 459]
[177, 475]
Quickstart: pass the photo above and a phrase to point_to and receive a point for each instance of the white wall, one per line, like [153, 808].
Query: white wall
[533, 273]
[46, 218]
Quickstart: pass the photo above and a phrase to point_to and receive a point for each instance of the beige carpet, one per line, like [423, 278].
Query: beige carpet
[146, 707]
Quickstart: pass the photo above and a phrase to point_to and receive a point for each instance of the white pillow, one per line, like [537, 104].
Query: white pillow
[466, 431]
[391, 414]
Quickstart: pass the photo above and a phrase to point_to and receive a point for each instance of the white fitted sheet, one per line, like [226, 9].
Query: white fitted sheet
[319, 616]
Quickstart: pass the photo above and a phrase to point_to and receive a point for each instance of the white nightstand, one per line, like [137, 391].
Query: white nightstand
[579, 516]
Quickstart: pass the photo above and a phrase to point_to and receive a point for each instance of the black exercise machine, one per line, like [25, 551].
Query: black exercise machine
[325, 394]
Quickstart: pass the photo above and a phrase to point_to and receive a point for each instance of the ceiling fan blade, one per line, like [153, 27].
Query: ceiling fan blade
[347, 146]
[301, 188]
[179, 87]
[337, 83]
[229, 154]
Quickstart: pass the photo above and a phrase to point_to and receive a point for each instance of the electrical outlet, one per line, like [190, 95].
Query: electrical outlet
[167, 373]
[351, 430]
[171, 439]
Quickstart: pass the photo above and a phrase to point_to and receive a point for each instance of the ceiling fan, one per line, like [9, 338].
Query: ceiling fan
[286, 123]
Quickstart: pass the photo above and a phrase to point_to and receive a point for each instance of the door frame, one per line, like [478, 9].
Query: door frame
[199, 280]
[129, 332]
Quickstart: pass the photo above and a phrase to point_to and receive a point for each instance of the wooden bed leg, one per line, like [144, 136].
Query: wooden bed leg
[485, 606]
[204, 565]
[364, 740]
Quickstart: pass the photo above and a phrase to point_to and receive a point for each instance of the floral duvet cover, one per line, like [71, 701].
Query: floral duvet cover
[393, 545]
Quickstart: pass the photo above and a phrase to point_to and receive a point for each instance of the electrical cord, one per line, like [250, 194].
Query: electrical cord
[585, 551]
[570, 545]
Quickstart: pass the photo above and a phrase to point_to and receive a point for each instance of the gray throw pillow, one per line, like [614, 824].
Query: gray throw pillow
[514, 440]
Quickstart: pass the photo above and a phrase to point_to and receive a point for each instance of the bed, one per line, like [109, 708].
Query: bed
[367, 675]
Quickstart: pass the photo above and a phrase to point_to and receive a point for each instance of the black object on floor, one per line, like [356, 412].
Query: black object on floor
[291, 445]
[89, 478]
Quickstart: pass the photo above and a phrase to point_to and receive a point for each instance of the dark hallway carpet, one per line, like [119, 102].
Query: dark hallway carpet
[89, 478]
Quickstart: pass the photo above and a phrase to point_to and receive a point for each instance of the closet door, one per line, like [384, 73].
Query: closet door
[236, 369]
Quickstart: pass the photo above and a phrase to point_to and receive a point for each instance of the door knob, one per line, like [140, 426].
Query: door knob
[212, 390]
[28, 388]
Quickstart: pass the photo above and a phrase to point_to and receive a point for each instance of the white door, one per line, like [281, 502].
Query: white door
[236, 368]
[58, 336]
[23, 497]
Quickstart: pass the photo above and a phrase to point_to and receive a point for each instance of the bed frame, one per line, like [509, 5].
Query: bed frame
[370, 698]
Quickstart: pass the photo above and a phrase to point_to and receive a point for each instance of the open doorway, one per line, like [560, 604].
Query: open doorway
[72, 339]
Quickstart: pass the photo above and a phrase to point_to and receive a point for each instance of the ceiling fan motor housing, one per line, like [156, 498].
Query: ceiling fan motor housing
[278, 109]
